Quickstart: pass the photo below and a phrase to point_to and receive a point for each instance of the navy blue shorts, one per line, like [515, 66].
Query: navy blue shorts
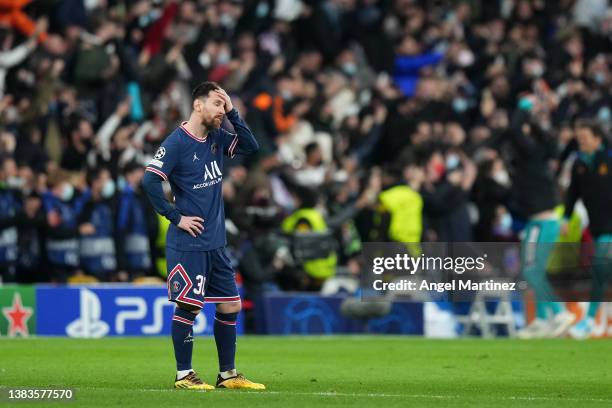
[198, 277]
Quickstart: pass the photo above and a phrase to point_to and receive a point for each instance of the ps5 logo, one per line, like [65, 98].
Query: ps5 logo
[134, 311]
[88, 324]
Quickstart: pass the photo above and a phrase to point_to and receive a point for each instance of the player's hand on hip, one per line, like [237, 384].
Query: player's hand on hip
[228, 101]
[193, 225]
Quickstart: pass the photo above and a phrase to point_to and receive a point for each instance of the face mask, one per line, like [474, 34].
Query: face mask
[349, 68]
[223, 58]
[600, 78]
[537, 71]
[452, 162]
[505, 224]
[67, 192]
[287, 95]
[501, 177]
[460, 105]
[15, 182]
[108, 189]
[11, 114]
[204, 60]
[604, 114]
[465, 58]
[121, 183]
[226, 20]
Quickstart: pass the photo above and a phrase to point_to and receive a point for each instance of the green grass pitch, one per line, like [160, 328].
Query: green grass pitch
[320, 371]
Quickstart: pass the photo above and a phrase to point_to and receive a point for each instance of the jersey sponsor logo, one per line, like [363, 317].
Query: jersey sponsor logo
[161, 152]
[211, 172]
[157, 163]
[212, 175]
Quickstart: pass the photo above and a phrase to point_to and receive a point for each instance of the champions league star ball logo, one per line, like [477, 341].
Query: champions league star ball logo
[176, 286]
[213, 148]
[161, 152]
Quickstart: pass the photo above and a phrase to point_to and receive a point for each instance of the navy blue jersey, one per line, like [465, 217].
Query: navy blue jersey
[194, 168]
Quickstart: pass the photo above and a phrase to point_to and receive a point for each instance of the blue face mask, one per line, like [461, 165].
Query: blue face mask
[349, 68]
[122, 184]
[108, 189]
[452, 162]
[460, 105]
[67, 192]
[505, 224]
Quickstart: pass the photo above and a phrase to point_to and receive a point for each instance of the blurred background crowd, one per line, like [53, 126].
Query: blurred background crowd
[378, 120]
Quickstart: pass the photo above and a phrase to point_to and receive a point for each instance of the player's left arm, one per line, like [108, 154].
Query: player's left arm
[243, 141]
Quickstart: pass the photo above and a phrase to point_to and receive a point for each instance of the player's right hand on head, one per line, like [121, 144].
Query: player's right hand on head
[193, 225]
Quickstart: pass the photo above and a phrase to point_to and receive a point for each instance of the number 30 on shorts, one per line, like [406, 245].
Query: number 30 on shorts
[199, 290]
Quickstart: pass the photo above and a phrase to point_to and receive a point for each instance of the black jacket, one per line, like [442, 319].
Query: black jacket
[593, 184]
[534, 188]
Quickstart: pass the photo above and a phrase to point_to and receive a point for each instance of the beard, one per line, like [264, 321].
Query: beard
[212, 123]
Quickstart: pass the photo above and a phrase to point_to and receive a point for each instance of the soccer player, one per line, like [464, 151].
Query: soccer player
[592, 182]
[534, 198]
[191, 159]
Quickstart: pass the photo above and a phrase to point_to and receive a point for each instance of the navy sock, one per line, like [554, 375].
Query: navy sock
[225, 337]
[182, 337]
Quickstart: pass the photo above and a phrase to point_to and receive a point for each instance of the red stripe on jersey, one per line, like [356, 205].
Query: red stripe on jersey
[191, 135]
[232, 147]
[158, 172]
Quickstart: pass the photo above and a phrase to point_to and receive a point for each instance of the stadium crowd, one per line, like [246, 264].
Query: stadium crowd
[378, 120]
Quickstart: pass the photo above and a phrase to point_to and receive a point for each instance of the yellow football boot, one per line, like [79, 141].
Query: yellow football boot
[238, 382]
[192, 382]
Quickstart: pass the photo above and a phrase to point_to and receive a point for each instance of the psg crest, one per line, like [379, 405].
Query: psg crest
[213, 148]
[176, 286]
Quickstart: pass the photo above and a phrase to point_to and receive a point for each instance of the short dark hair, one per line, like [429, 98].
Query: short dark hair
[93, 174]
[310, 147]
[74, 122]
[131, 167]
[593, 126]
[203, 90]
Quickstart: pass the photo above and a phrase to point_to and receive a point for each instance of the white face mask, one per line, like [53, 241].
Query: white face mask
[501, 177]
[537, 71]
[67, 192]
[15, 182]
[204, 60]
[108, 189]
[465, 58]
